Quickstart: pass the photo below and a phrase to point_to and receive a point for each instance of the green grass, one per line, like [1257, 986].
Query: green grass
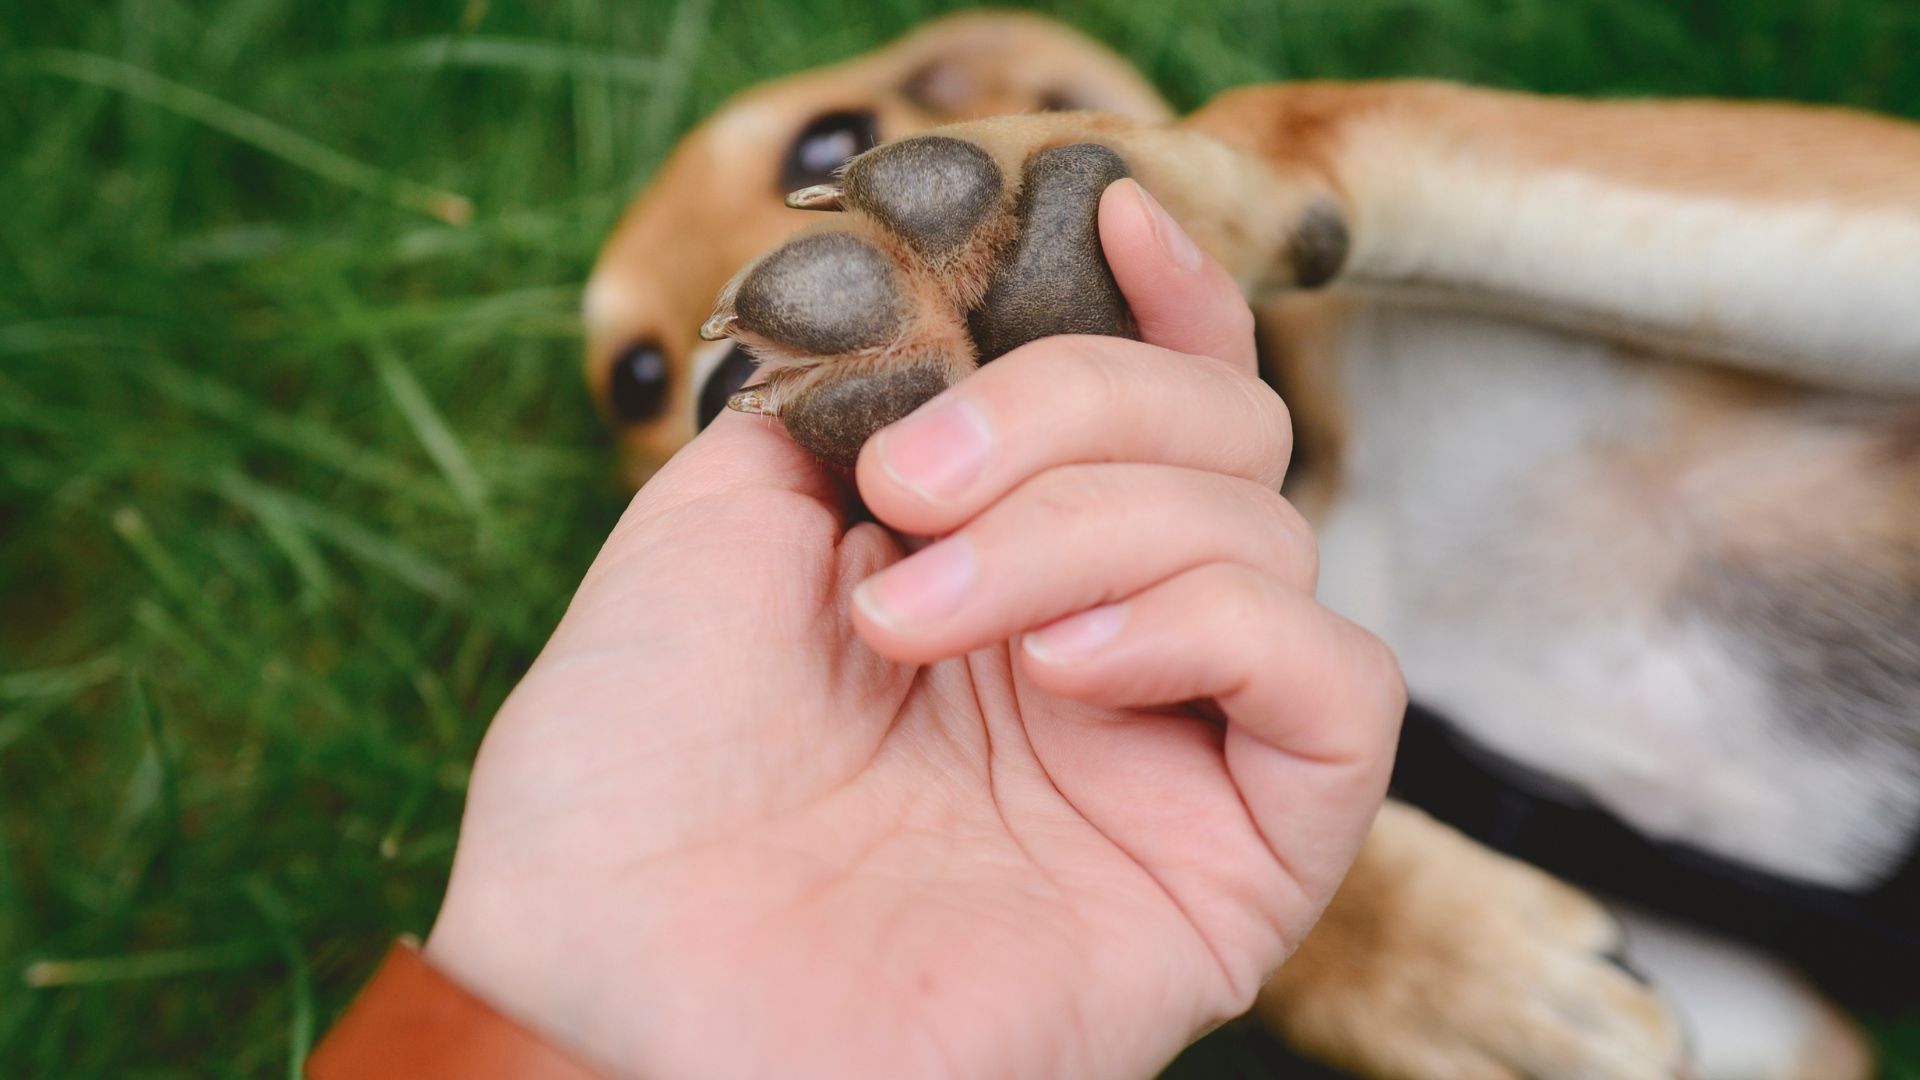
[296, 472]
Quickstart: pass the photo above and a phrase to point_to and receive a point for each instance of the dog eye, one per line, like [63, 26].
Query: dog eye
[824, 145]
[731, 374]
[638, 384]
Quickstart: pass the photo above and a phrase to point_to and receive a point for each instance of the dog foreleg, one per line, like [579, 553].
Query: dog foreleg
[1782, 239]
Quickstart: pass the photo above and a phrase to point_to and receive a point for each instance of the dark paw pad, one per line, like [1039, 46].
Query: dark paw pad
[1056, 280]
[831, 293]
[1318, 249]
[1616, 958]
[833, 419]
[932, 191]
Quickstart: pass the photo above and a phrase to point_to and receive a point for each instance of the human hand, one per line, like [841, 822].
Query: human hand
[1046, 798]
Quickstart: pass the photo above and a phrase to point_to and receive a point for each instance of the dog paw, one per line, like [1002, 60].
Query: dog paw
[945, 255]
[1441, 960]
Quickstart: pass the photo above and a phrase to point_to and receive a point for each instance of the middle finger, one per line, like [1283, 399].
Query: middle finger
[1072, 538]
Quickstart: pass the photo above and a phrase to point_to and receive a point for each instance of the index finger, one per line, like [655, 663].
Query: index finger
[1064, 401]
[1181, 299]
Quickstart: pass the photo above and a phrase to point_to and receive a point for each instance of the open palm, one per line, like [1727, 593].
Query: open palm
[747, 816]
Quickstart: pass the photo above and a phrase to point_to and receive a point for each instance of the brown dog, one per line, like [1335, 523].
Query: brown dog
[1607, 423]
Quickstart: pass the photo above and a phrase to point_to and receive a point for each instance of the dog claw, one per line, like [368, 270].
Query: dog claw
[718, 325]
[751, 401]
[818, 197]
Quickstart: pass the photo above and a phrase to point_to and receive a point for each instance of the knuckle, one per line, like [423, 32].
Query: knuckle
[1237, 322]
[1074, 492]
[1237, 601]
[1380, 667]
[1252, 415]
[1093, 374]
[1277, 527]
[1273, 410]
[1272, 423]
[1082, 374]
[1303, 546]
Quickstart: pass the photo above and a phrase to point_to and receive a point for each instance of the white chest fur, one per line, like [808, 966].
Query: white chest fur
[1530, 592]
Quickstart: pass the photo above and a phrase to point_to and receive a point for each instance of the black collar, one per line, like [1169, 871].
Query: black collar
[1862, 947]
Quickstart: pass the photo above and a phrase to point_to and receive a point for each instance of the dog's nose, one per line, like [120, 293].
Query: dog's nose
[638, 382]
[733, 371]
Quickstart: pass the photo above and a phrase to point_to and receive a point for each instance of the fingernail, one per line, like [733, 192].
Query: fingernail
[1179, 247]
[1076, 637]
[939, 450]
[923, 587]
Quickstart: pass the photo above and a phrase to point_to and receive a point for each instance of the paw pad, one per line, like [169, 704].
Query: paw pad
[834, 421]
[828, 293]
[932, 191]
[1057, 280]
[941, 266]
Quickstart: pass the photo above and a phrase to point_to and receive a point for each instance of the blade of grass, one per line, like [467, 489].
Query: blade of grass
[279, 922]
[430, 428]
[32, 696]
[251, 128]
[160, 964]
[691, 21]
[427, 683]
[153, 617]
[410, 804]
[177, 581]
[59, 682]
[286, 535]
[484, 53]
[313, 442]
[397, 560]
[593, 105]
[492, 312]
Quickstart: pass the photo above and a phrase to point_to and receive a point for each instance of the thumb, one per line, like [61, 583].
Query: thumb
[737, 454]
[740, 478]
[1181, 298]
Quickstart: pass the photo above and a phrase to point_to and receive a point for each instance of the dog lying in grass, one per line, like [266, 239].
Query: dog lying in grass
[1607, 419]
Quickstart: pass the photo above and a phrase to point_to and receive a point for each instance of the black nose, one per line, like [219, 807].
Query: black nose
[638, 383]
[734, 370]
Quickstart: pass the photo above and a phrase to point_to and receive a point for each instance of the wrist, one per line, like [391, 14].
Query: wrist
[413, 1019]
[503, 958]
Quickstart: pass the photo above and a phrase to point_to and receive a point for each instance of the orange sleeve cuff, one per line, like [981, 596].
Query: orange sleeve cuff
[412, 1021]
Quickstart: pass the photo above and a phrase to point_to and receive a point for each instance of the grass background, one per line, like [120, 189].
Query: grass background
[295, 475]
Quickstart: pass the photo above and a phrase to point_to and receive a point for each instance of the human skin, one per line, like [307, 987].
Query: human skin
[1046, 798]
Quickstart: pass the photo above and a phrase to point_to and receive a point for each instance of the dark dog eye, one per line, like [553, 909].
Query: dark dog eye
[638, 384]
[733, 372]
[824, 145]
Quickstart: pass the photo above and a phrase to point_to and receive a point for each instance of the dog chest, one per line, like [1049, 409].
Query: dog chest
[1666, 603]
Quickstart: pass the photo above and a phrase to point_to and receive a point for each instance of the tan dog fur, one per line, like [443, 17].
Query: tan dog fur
[1438, 958]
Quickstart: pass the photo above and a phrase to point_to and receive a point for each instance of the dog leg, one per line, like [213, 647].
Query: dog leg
[1440, 960]
[1747, 1016]
[1781, 239]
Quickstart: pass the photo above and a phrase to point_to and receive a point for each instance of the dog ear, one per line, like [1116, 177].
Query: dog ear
[974, 66]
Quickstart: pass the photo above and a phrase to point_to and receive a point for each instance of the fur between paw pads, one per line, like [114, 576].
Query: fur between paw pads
[937, 264]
